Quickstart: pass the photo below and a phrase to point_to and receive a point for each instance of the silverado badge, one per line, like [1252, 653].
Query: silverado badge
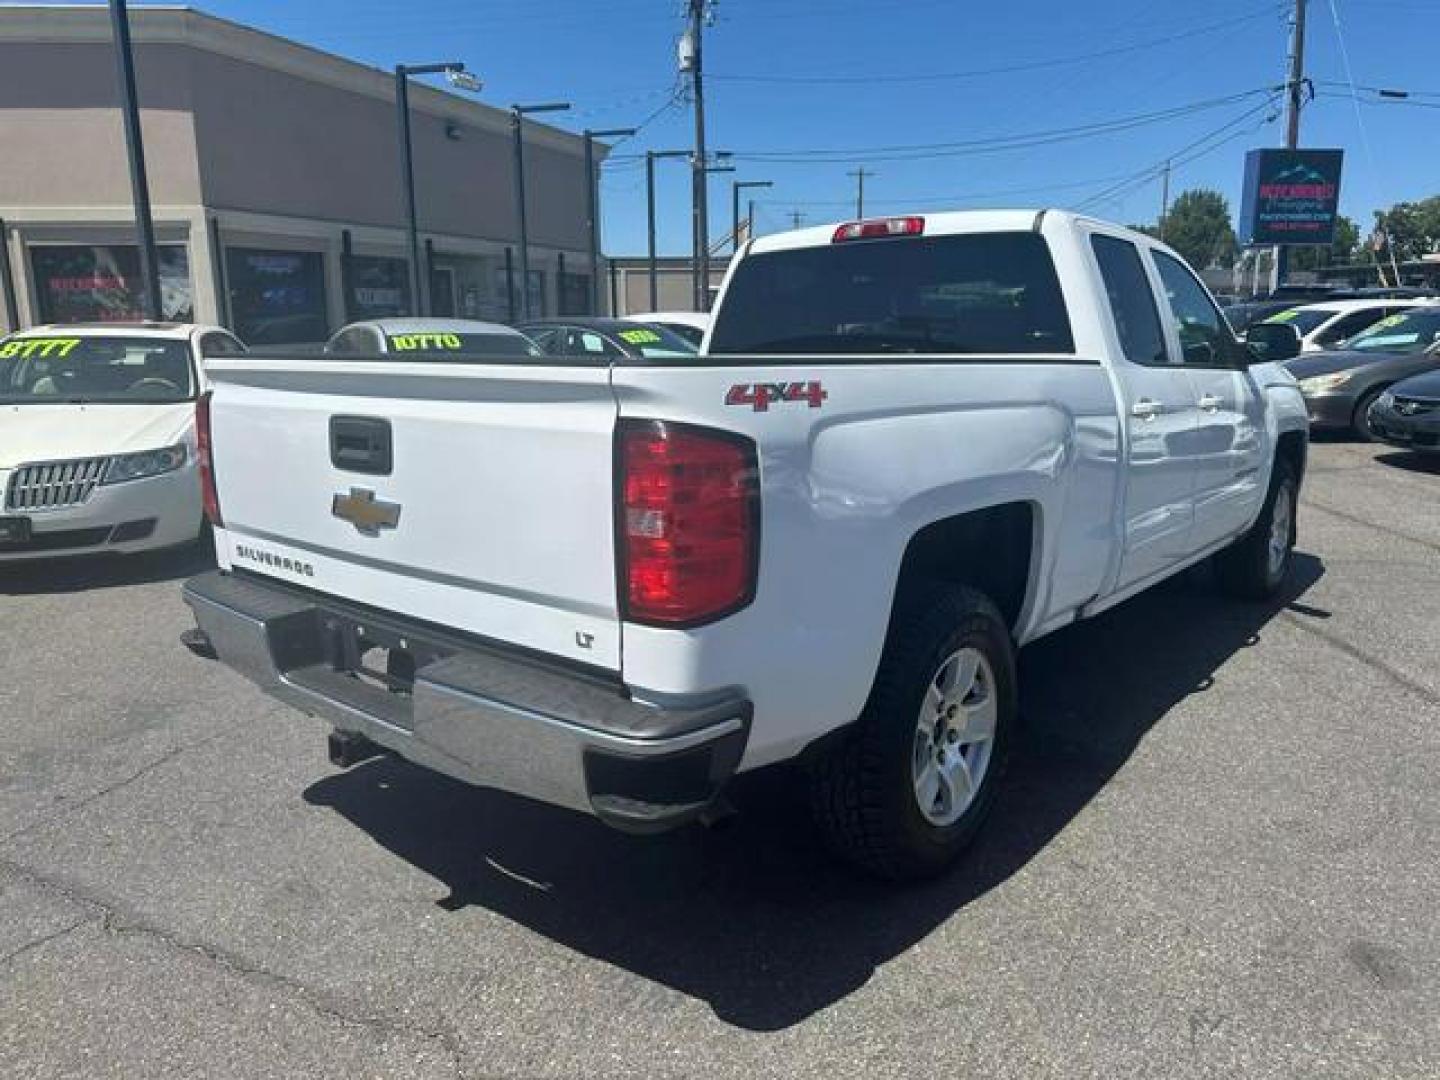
[365, 512]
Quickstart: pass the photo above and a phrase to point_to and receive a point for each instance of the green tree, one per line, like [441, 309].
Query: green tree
[1413, 227]
[1345, 249]
[1198, 227]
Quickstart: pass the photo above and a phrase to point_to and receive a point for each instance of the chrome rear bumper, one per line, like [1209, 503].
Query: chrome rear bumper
[561, 737]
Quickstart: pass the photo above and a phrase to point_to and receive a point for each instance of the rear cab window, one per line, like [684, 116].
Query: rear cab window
[959, 295]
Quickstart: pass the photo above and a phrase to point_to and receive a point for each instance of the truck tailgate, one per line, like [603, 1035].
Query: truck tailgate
[495, 513]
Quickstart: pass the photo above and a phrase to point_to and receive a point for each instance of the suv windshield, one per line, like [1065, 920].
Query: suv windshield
[1409, 332]
[984, 293]
[35, 369]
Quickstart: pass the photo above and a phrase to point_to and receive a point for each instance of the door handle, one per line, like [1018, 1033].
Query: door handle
[1146, 409]
[1211, 403]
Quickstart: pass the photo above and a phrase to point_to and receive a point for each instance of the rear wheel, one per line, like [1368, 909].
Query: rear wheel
[1256, 565]
[904, 791]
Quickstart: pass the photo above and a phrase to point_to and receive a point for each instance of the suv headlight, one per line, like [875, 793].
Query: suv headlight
[1387, 400]
[125, 467]
[1318, 384]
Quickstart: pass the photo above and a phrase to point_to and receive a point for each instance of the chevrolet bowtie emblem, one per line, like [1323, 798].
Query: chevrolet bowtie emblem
[365, 512]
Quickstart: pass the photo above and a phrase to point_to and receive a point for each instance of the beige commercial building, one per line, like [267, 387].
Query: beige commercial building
[275, 181]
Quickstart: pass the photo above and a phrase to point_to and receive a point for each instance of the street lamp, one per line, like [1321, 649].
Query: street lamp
[592, 207]
[461, 79]
[135, 147]
[650, 158]
[735, 186]
[517, 123]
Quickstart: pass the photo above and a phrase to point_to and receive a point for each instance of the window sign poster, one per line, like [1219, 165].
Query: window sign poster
[379, 287]
[101, 282]
[277, 297]
[1291, 197]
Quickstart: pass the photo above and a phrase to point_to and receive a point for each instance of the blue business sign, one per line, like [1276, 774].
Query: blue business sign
[1291, 197]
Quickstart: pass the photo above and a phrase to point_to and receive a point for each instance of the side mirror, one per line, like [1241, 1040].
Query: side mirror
[1273, 342]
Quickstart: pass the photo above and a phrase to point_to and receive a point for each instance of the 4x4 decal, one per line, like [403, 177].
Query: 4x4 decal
[760, 396]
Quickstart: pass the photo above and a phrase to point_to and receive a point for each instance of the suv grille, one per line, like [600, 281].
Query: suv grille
[1414, 406]
[54, 485]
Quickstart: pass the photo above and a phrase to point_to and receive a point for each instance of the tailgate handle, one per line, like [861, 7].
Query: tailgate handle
[361, 444]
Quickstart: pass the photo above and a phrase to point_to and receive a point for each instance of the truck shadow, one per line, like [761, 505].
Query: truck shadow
[752, 917]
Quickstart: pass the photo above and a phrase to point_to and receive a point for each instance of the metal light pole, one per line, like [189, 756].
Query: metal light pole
[702, 239]
[650, 158]
[456, 73]
[517, 126]
[592, 206]
[735, 186]
[135, 150]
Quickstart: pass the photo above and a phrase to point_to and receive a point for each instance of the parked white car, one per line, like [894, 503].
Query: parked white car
[690, 325]
[97, 436]
[1326, 324]
[914, 445]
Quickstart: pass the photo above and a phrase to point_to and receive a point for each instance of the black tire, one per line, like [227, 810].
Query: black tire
[862, 788]
[1361, 422]
[1246, 568]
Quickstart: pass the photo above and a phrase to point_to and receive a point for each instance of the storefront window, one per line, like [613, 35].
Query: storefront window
[575, 294]
[101, 283]
[537, 294]
[470, 287]
[277, 297]
[379, 287]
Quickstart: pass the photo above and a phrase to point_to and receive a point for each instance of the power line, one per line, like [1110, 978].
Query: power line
[1186, 154]
[925, 151]
[1034, 65]
[1360, 122]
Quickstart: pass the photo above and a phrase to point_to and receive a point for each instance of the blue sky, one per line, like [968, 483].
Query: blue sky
[804, 91]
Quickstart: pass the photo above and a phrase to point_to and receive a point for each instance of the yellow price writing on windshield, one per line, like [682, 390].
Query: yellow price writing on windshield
[417, 342]
[1388, 321]
[639, 337]
[1284, 316]
[40, 346]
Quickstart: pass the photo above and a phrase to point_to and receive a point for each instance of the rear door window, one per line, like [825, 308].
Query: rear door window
[1132, 302]
[981, 294]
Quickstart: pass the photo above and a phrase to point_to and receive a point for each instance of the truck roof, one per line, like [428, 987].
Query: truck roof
[945, 223]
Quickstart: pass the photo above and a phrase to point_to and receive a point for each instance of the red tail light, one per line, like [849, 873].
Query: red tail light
[689, 525]
[879, 228]
[209, 497]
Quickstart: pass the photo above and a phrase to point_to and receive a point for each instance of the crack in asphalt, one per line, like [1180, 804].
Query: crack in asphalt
[109, 789]
[1361, 657]
[119, 924]
[44, 939]
[1355, 519]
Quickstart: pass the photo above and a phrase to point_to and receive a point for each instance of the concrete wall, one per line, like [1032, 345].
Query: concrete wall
[672, 286]
[272, 142]
[61, 138]
[238, 120]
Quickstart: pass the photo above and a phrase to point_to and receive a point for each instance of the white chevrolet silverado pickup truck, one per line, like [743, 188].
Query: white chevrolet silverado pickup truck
[911, 446]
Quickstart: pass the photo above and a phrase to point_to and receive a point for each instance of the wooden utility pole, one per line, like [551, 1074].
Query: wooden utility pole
[860, 174]
[1295, 101]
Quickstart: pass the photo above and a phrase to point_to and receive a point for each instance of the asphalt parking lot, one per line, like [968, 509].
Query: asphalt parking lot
[1218, 854]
